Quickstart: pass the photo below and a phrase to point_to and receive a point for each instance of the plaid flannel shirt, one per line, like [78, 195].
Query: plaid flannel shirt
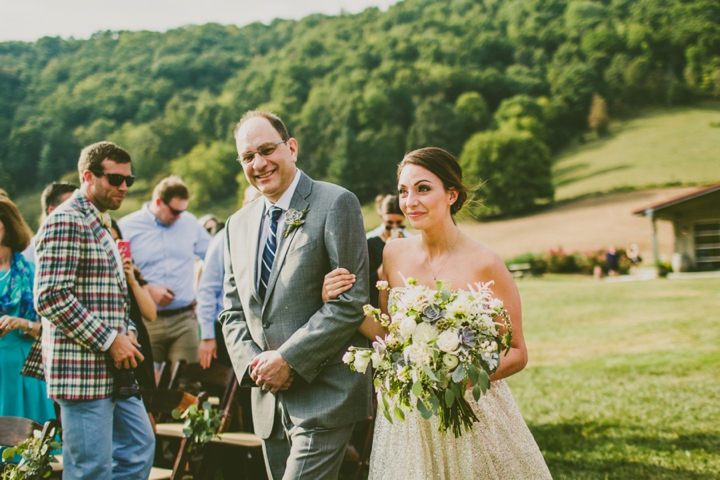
[81, 297]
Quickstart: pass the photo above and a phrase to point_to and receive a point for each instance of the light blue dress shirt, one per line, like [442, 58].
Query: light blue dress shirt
[210, 288]
[166, 254]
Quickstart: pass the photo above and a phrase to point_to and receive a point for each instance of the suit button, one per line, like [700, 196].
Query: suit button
[266, 325]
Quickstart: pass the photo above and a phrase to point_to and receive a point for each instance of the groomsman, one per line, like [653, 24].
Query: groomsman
[81, 295]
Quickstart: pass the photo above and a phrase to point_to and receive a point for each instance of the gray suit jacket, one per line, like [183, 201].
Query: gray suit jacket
[311, 336]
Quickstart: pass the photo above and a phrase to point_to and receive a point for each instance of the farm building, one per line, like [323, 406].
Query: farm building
[696, 221]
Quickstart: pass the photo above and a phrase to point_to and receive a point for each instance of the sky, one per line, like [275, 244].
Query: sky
[28, 20]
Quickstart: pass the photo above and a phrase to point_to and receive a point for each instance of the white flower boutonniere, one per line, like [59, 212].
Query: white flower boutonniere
[293, 219]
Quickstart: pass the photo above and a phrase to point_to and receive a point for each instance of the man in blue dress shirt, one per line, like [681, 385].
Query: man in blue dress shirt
[165, 240]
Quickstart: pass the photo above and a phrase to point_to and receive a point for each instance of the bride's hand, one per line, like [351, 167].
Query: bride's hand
[336, 282]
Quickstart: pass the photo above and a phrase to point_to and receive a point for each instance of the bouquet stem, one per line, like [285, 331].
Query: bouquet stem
[459, 416]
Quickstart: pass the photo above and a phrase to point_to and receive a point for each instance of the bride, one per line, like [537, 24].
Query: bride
[499, 445]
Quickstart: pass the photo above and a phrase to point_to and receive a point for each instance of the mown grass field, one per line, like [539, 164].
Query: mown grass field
[623, 377]
[659, 148]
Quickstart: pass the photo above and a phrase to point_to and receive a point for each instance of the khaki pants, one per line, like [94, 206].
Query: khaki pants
[175, 337]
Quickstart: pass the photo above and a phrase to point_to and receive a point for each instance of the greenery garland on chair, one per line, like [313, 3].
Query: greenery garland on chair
[36, 458]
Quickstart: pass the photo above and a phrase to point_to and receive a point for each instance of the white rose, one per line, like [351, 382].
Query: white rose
[424, 332]
[349, 357]
[415, 353]
[407, 327]
[448, 341]
[361, 363]
[451, 361]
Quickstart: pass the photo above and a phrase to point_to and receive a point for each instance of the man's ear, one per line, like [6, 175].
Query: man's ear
[293, 146]
[87, 176]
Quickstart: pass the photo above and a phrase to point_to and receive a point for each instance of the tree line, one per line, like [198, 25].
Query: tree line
[501, 84]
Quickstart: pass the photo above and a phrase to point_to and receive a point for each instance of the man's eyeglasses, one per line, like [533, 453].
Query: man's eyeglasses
[265, 150]
[115, 179]
[174, 212]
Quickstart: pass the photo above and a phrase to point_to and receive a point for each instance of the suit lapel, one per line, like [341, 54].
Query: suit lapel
[299, 202]
[253, 241]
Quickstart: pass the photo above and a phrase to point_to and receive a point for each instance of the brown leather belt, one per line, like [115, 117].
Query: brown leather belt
[176, 311]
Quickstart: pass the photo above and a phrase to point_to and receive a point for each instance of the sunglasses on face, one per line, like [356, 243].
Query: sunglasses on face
[265, 150]
[389, 225]
[174, 212]
[115, 179]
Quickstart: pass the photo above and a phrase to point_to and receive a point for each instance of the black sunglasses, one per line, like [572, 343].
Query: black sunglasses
[115, 179]
[389, 225]
[174, 212]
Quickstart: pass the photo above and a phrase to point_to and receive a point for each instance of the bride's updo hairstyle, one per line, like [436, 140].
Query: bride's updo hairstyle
[445, 166]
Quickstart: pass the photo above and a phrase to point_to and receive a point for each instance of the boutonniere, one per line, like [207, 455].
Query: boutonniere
[293, 219]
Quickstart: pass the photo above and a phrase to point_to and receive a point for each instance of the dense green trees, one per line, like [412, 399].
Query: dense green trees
[357, 90]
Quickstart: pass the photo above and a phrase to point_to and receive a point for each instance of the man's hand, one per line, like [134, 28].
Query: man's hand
[124, 352]
[271, 372]
[207, 351]
[160, 294]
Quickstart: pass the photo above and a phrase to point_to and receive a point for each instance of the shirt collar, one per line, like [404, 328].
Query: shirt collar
[284, 201]
[103, 218]
[151, 216]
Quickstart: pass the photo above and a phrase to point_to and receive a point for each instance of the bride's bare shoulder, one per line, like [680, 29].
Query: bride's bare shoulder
[484, 259]
[401, 246]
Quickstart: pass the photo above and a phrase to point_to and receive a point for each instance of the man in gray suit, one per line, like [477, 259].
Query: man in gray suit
[280, 335]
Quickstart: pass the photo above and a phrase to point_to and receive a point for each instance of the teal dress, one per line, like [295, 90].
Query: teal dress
[20, 396]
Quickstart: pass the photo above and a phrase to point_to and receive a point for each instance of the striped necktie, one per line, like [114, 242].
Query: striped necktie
[268, 256]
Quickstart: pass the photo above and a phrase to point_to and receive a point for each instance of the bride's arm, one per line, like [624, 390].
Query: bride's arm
[339, 281]
[505, 289]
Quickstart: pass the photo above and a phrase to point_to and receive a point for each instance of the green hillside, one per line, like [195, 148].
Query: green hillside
[661, 148]
[503, 84]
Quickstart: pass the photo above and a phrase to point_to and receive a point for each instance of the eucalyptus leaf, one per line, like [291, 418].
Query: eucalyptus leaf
[484, 381]
[435, 402]
[476, 392]
[473, 374]
[429, 373]
[449, 397]
[459, 373]
[423, 409]
[400, 414]
[176, 414]
[417, 388]
[387, 415]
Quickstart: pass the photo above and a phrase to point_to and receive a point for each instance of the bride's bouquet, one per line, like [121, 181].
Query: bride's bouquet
[440, 343]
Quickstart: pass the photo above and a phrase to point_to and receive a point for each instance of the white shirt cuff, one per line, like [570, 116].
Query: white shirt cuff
[109, 341]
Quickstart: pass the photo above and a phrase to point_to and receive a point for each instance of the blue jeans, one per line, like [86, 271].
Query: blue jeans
[105, 439]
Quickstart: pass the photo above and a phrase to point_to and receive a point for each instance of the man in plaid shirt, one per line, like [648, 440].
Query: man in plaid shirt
[81, 295]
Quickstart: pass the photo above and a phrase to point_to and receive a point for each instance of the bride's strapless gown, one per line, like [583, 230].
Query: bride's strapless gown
[498, 446]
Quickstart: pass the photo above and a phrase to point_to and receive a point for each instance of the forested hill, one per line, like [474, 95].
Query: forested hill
[356, 90]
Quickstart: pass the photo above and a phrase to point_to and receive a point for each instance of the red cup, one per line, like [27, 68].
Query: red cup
[124, 247]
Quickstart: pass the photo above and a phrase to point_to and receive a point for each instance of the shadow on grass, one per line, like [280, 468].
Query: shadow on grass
[598, 451]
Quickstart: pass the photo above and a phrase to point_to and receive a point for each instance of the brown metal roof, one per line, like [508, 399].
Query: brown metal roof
[682, 198]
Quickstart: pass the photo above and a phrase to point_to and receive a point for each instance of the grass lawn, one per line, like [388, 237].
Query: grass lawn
[660, 148]
[623, 377]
